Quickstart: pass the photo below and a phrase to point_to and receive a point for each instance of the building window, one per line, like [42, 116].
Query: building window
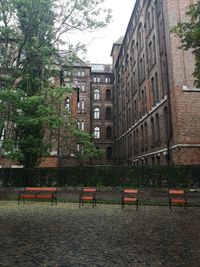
[82, 87]
[109, 132]
[141, 69]
[82, 105]
[109, 152]
[96, 113]
[140, 38]
[2, 137]
[78, 125]
[108, 95]
[96, 80]
[145, 136]
[154, 86]
[142, 138]
[108, 113]
[96, 94]
[166, 123]
[107, 80]
[67, 104]
[79, 106]
[152, 133]
[82, 125]
[144, 101]
[96, 133]
[157, 129]
[81, 73]
[79, 148]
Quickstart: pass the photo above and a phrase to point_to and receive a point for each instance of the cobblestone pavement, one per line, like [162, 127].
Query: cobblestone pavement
[36, 234]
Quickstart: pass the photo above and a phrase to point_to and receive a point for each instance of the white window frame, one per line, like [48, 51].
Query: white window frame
[96, 94]
[97, 133]
[67, 104]
[96, 113]
[82, 126]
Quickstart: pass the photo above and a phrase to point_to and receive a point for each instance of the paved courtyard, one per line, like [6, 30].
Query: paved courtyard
[36, 234]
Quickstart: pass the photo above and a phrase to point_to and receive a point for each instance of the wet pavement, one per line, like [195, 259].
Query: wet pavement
[36, 234]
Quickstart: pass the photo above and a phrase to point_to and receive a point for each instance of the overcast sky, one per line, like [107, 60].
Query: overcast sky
[99, 44]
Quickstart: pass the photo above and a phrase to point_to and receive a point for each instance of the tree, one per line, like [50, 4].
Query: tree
[29, 34]
[85, 151]
[189, 33]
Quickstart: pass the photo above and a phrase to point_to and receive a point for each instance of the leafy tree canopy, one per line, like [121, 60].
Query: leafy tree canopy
[30, 31]
[189, 33]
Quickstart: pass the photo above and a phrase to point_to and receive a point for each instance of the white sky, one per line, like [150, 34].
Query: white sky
[99, 43]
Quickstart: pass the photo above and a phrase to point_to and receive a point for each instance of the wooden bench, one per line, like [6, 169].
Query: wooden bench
[177, 197]
[38, 193]
[88, 194]
[130, 196]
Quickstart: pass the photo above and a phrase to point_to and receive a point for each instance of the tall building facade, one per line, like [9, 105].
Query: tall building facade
[102, 111]
[155, 103]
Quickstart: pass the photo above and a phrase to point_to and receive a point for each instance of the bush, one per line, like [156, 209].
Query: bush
[113, 176]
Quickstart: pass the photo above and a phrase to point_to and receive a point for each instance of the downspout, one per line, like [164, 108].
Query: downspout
[170, 131]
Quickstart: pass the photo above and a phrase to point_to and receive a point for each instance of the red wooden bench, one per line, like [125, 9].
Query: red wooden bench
[177, 197]
[38, 193]
[88, 194]
[130, 196]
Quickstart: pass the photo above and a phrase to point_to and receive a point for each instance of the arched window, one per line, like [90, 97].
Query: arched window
[108, 94]
[157, 129]
[96, 94]
[146, 136]
[108, 113]
[79, 106]
[67, 104]
[140, 38]
[109, 152]
[82, 105]
[96, 113]
[108, 132]
[142, 138]
[78, 125]
[166, 123]
[96, 133]
[82, 125]
[152, 133]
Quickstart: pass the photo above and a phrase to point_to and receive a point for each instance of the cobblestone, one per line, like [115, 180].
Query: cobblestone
[36, 234]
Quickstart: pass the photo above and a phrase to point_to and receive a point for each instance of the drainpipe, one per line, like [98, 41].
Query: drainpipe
[170, 132]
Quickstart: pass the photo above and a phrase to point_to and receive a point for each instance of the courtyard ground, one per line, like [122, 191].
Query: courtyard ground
[36, 234]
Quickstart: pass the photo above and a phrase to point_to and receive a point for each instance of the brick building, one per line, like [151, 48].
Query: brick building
[102, 110]
[156, 106]
[143, 111]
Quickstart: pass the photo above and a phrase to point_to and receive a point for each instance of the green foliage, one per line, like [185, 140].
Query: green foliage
[189, 33]
[105, 176]
[29, 34]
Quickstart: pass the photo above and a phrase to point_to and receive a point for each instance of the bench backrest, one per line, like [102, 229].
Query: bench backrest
[51, 189]
[177, 192]
[130, 191]
[89, 190]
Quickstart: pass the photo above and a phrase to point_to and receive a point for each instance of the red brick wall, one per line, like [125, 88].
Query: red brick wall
[185, 104]
[48, 162]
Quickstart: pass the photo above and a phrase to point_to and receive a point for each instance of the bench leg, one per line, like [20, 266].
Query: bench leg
[122, 203]
[170, 206]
